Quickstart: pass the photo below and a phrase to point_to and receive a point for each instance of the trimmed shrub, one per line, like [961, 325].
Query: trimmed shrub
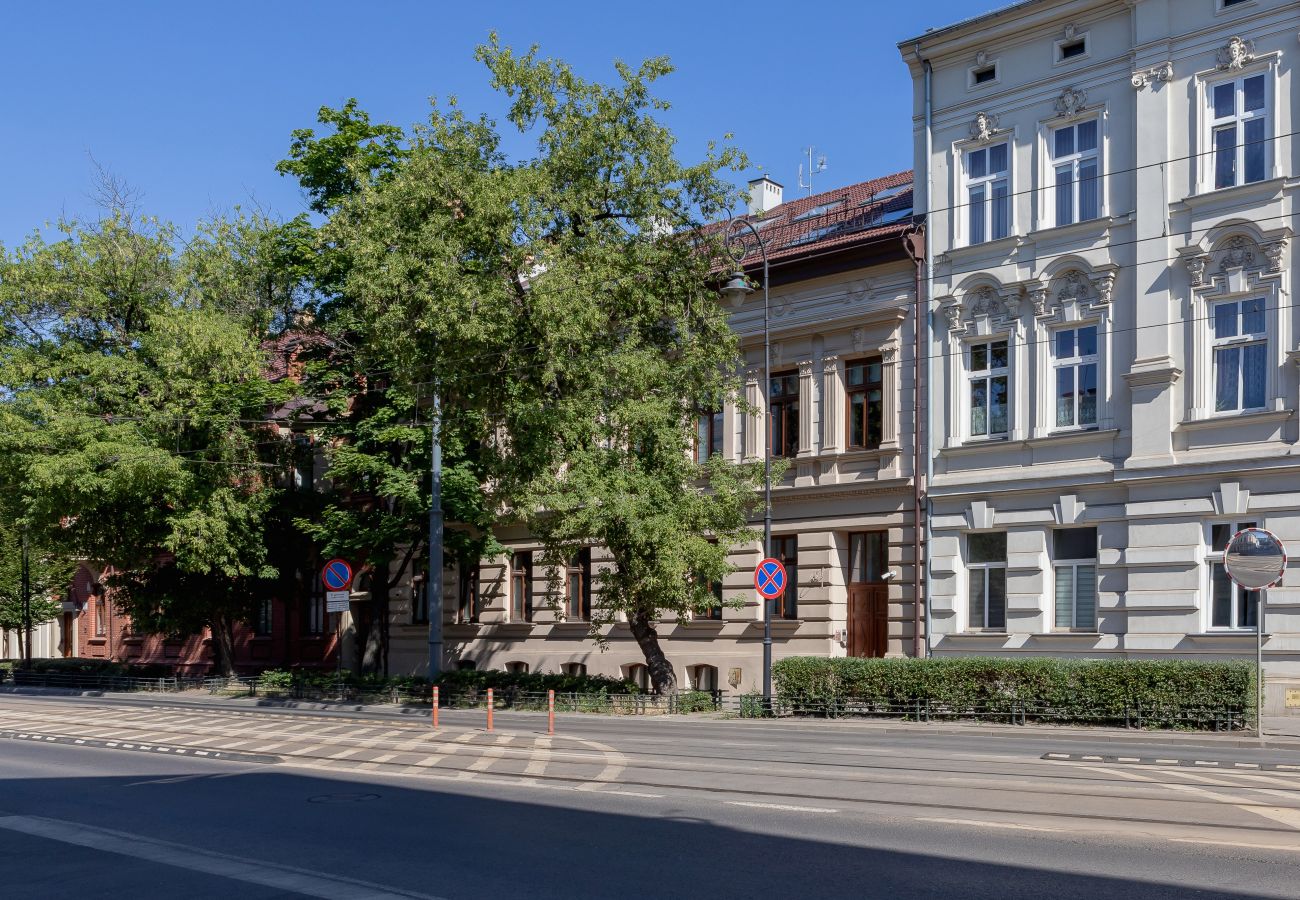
[1149, 692]
[99, 667]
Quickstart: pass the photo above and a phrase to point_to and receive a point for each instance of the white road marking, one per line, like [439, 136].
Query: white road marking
[1292, 848]
[981, 823]
[236, 868]
[783, 807]
[541, 756]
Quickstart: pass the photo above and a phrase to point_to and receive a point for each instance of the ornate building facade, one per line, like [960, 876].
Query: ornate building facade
[1110, 188]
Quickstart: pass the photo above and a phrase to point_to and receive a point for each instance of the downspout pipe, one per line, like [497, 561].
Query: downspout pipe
[925, 321]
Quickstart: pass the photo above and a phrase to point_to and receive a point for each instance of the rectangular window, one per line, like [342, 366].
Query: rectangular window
[988, 193]
[1230, 606]
[265, 614]
[420, 600]
[1240, 346]
[783, 400]
[987, 561]
[1075, 167]
[101, 616]
[1239, 130]
[1076, 377]
[578, 586]
[1072, 49]
[521, 586]
[708, 440]
[985, 75]
[868, 557]
[989, 376]
[864, 386]
[467, 594]
[1074, 558]
[313, 612]
[786, 549]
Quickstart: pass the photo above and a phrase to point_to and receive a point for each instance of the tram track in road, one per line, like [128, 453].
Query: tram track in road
[654, 772]
[862, 768]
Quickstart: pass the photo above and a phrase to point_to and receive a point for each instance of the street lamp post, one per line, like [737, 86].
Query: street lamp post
[735, 290]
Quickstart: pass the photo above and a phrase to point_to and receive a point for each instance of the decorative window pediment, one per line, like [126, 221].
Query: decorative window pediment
[1073, 294]
[993, 307]
[1235, 263]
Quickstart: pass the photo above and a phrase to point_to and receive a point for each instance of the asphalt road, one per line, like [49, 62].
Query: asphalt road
[314, 805]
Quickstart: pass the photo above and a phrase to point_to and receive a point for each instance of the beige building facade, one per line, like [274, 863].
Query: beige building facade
[840, 397]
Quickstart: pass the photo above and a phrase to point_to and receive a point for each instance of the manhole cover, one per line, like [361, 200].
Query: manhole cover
[343, 798]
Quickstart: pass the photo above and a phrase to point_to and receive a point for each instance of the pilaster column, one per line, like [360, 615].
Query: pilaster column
[889, 394]
[832, 404]
[757, 400]
[807, 402]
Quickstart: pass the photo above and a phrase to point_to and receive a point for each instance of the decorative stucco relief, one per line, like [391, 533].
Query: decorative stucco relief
[1236, 53]
[1160, 74]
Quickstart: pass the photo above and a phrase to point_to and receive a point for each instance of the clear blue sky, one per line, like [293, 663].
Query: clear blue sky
[192, 103]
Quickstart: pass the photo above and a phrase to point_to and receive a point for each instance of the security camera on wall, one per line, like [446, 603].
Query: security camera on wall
[889, 576]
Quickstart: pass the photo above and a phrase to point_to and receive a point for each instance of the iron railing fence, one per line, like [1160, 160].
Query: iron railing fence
[505, 698]
[1134, 714]
[99, 681]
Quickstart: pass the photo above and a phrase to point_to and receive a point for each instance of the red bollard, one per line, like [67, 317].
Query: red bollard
[490, 704]
[435, 706]
[550, 712]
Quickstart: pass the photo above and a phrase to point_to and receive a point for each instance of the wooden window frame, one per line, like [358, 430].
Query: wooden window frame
[467, 581]
[786, 606]
[579, 567]
[851, 391]
[783, 415]
[521, 586]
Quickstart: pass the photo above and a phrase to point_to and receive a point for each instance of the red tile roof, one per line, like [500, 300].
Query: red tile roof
[857, 213]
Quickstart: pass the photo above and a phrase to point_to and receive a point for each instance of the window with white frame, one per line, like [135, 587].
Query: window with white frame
[1074, 563]
[1075, 167]
[989, 374]
[1230, 606]
[988, 193]
[986, 560]
[1240, 347]
[1076, 376]
[1239, 130]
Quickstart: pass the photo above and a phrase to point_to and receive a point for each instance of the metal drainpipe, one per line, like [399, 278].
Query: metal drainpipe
[914, 243]
[929, 363]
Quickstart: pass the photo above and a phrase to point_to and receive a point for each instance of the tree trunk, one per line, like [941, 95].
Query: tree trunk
[663, 680]
[223, 646]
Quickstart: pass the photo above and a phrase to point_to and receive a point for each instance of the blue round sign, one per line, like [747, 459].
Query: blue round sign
[336, 575]
[770, 578]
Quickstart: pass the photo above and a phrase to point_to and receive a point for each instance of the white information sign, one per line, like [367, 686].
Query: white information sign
[336, 601]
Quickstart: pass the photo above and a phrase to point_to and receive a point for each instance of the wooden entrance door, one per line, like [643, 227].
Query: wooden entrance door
[868, 619]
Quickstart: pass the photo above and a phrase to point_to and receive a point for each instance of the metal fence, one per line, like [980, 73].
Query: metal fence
[1012, 712]
[90, 681]
[1134, 715]
[504, 698]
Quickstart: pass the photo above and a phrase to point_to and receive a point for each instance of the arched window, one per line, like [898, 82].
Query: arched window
[517, 668]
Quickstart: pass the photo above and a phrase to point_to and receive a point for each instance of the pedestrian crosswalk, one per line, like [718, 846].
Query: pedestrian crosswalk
[406, 749]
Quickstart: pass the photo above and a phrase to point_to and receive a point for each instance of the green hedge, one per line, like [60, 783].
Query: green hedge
[453, 682]
[78, 666]
[1167, 691]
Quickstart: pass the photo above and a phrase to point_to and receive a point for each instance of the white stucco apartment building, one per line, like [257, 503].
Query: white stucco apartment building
[1111, 188]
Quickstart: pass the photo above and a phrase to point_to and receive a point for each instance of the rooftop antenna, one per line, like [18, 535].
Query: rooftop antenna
[821, 167]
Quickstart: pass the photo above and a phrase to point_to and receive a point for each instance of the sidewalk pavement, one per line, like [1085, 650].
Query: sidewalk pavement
[1280, 732]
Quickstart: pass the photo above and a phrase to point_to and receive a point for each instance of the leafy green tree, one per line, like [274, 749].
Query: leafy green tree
[135, 399]
[376, 431]
[561, 308]
[49, 577]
